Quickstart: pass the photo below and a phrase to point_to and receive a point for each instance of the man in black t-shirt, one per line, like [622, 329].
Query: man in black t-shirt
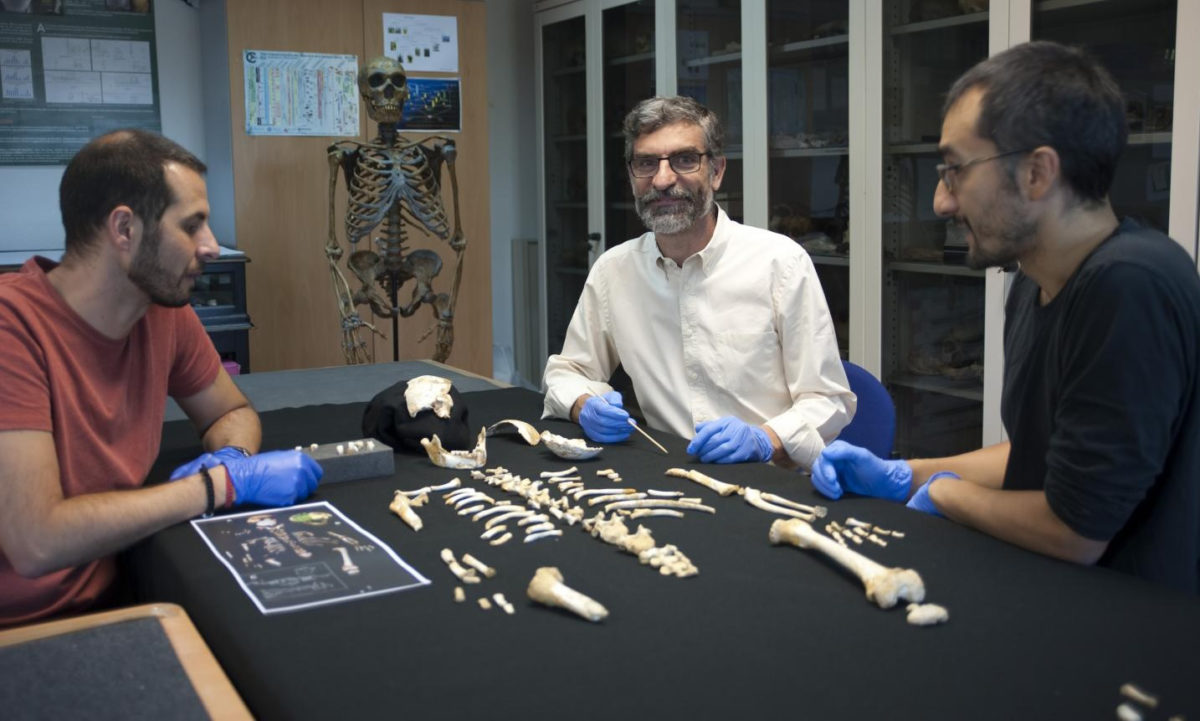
[1101, 397]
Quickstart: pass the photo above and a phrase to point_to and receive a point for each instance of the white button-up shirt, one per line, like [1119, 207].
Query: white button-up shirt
[741, 329]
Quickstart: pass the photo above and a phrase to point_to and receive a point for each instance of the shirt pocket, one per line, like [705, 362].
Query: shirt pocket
[748, 361]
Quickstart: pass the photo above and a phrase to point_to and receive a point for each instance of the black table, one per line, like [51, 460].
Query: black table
[761, 629]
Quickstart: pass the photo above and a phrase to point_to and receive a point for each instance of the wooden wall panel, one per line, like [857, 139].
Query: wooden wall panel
[281, 186]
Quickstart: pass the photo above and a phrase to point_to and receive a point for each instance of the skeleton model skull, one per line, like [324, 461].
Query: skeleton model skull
[392, 183]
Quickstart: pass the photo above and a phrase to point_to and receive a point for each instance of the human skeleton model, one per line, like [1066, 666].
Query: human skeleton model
[392, 182]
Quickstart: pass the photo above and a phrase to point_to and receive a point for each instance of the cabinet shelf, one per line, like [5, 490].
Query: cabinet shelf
[714, 59]
[937, 384]
[837, 260]
[809, 152]
[803, 45]
[1152, 138]
[939, 24]
[911, 148]
[910, 266]
[635, 58]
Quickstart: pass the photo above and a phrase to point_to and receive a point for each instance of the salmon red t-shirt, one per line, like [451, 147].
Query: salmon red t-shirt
[103, 401]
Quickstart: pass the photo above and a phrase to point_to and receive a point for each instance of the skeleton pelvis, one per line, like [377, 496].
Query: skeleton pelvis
[368, 267]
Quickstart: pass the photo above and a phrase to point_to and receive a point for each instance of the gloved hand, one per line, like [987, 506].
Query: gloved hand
[605, 420]
[921, 500]
[730, 440]
[842, 467]
[275, 478]
[207, 460]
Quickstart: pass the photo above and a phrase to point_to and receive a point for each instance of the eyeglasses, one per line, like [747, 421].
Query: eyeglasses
[688, 161]
[948, 172]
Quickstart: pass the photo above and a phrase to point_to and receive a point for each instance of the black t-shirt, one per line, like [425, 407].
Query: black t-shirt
[1102, 402]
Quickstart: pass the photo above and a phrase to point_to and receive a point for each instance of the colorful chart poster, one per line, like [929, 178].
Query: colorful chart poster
[433, 104]
[300, 93]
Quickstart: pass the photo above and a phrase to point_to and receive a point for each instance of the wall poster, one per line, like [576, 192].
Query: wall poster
[422, 43]
[71, 70]
[300, 93]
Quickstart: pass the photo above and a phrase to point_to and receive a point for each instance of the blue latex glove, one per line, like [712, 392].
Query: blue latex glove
[208, 460]
[605, 420]
[730, 440]
[921, 500]
[842, 467]
[275, 478]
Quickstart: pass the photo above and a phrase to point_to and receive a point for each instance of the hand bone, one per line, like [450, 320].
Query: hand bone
[884, 586]
[547, 588]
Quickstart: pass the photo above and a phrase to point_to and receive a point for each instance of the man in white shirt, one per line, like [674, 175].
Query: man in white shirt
[723, 328]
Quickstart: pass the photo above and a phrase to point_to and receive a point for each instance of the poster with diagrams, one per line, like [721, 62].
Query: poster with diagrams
[434, 104]
[300, 93]
[288, 559]
[70, 71]
[422, 43]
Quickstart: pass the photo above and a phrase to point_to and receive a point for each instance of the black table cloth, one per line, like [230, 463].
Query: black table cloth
[761, 630]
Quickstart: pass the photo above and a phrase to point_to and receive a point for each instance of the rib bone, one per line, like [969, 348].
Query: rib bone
[884, 586]
[708, 482]
[547, 587]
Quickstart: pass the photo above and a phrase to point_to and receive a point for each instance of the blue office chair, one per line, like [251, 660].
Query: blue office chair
[874, 424]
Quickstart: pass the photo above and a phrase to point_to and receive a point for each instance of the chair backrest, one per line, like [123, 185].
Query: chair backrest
[874, 424]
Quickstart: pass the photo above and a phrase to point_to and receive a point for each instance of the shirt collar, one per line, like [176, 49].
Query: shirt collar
[711, 252]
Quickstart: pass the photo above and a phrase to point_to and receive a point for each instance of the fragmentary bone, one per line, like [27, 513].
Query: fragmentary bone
[818, 511]
[861, 531]
[569, 448]
[547, 587]
[459, 594]
[348, 566]
[663, 512]
[475, 508]
[478, 565]
[428, 393]
[659, 503]
[497, 471]
[857, 523]
[665, 494]
[1134, 693]
[601, 492]
[533, 518]
[669, 561]
[926, 614]
[559, 474]
[502, 602]
[475, 458]
[754, 497]
[501, 540]
[885, 586]
[708, 482]
[354, 463]
[402, 506]
[484, 603]
[526, 431]
[538, 528]
[419, 500]
[517, 513]
[530, 538]
[493, 532]
[447, 486]
[876, 540]
[462, 574]
[1126, 712]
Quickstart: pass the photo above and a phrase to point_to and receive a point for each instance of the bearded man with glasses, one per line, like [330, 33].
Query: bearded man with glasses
[722, 328]
[1101, 396]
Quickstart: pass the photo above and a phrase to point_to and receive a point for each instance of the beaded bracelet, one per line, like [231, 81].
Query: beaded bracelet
[210, 493]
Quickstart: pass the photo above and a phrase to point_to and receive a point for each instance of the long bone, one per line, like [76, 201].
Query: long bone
[659, 503]
[754, 497]
[547, 587]
[448, 485]
[708, 482]
[884, 586]
[348, 566]
[818, 511]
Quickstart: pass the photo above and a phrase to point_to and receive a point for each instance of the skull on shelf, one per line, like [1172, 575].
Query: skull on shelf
[384, 86]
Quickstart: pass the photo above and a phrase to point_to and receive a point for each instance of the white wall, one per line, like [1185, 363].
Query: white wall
[29, 216]
[512, 161]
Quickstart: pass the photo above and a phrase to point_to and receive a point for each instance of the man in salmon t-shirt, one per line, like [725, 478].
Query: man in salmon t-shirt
[89, 350]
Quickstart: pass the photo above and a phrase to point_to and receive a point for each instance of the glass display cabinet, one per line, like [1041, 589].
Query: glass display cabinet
[808, 141]
[933, 306]
[708, 41]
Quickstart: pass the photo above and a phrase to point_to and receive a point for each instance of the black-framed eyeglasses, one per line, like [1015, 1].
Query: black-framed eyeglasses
[683, 163]
[947, 172]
